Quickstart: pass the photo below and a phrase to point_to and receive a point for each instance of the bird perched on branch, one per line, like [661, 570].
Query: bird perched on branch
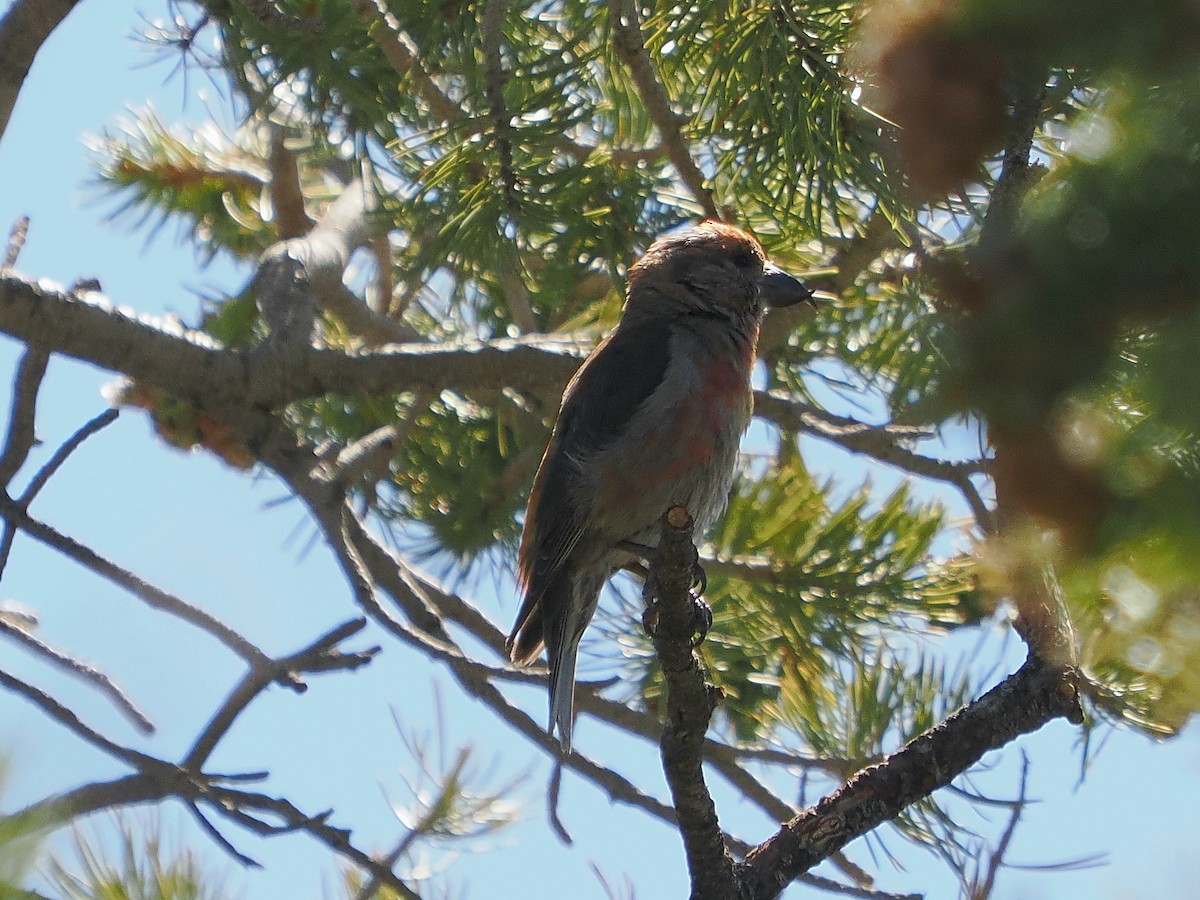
[653, 419]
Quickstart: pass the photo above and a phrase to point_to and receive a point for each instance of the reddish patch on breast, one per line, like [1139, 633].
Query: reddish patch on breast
[723, 379]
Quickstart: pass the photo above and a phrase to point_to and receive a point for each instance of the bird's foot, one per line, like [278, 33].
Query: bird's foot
[702, 617]
[701, 621]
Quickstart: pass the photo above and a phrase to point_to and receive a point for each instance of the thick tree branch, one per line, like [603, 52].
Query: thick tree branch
[191, 365]
[1038, 693]
[299, 276]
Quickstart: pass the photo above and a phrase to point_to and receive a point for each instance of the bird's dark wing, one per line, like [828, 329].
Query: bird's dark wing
[598, 404]
[621, 373]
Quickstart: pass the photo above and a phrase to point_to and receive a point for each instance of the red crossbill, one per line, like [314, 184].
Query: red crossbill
[652, 420]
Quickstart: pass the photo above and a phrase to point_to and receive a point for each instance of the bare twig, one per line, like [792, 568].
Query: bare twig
[16, 242]
[319, 656]
[157, 780]
[983, 889]
[366, 453]
[21, 437]
[23, 30]
[69, 720]
[69, 446]
[881, 442]
[153, 596]
[81, 670]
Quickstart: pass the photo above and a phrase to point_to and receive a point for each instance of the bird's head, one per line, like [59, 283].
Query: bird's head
[712, 269]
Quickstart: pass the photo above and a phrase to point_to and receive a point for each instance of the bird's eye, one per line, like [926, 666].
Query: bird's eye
[742, 258]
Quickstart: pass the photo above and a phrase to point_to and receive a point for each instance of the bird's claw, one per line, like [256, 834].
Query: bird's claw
[702, 618]
[699, 576]
[650, 617]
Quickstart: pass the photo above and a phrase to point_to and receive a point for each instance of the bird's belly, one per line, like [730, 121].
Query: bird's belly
[686, 459]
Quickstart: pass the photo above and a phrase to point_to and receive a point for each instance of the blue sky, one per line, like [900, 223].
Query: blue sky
[217, 538]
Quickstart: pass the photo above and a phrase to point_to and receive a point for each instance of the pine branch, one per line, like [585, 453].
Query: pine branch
[627, 37]
[1038, 693]
[287, 195]
[191, 365]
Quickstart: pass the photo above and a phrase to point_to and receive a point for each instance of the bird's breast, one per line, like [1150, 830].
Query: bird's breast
[680, 448]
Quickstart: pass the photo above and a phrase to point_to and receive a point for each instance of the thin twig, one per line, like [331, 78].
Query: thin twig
[219, 839]
[983, 890]
[880, 442]
[631, 47]
[25, 27]
[46, 472]
[68, 719]
[80, 669]
[149, 594]
[16, 242]
[319, 656]
[21, 435]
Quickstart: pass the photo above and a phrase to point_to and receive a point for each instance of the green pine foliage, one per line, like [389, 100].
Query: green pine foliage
[143, 866]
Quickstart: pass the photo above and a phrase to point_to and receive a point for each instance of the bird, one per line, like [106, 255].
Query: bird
[652, 419]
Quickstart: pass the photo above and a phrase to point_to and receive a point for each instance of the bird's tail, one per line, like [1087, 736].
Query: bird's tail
[562, 693]
[563, 650]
